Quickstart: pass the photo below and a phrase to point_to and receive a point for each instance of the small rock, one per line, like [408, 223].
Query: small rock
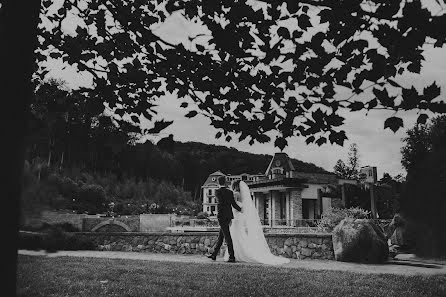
[305, 252]
[312, 245]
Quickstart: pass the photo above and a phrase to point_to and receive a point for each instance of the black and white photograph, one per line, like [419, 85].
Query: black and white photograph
[223, 148]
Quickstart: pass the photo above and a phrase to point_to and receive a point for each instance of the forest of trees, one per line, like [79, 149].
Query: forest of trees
[76, 150]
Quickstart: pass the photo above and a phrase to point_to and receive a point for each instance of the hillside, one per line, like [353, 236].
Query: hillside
[230, 160]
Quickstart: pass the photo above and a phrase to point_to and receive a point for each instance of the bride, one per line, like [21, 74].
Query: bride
[246, 231]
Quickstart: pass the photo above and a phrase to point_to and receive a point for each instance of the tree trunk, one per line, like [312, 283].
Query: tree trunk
[18, 35]
[61, 161]
[38, 173]
[49, 159]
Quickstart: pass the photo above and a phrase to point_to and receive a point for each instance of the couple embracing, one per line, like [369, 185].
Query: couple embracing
[241, 229]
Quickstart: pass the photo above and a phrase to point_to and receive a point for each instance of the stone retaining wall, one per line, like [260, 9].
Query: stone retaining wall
[297, 246]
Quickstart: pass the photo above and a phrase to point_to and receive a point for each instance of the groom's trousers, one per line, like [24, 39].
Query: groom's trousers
[226, 235]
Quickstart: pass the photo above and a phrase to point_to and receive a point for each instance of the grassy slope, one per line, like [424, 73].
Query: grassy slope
[39, 276]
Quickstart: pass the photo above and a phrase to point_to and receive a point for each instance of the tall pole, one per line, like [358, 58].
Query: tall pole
[373, 201]
[319, 199]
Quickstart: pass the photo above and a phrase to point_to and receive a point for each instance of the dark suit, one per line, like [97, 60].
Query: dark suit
[225, 199]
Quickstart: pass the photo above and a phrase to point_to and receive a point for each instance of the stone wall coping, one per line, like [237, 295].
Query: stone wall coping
[312, 235]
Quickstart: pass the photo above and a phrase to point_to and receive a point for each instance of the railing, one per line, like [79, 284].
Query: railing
[214, 223]
[291, 223]
[194, 223]
[383, 224]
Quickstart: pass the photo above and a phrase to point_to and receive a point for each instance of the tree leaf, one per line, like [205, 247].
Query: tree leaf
[184, 104]
[372, 104]
[303, 21]
[297, 34]
[283, 32]
[135, 118]
[120, 112]
[431, 92]
[292, 6]
[199, 47]
[422, 118]
[393, 123]
[307, 104]
[191, 114]
[324, 15]
[281, 143]
[159, 126]
[356, 105]
[309, 139]
[321, 141]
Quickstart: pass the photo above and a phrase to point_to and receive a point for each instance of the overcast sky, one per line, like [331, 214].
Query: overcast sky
[377, 147]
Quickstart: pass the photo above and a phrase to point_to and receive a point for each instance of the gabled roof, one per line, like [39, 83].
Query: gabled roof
[218, 172]
[212, 179]
[285, 163]
[281, 181]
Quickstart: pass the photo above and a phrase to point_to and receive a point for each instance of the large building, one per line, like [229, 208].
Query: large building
[211, 185]
[282, 195]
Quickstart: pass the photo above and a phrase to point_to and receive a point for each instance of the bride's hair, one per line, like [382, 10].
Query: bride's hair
[236, 185]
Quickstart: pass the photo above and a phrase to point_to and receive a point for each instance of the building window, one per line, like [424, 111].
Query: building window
[282, 206]
[213, 179]
[266, 211]
[244, 177]
[277, 171]
[210, 192]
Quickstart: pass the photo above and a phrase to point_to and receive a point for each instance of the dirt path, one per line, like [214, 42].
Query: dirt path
[389, 268]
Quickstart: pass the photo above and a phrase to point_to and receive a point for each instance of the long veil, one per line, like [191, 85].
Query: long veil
[259, 248]
[252, 219]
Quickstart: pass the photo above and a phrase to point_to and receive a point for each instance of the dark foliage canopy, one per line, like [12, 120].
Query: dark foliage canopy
[264, 66]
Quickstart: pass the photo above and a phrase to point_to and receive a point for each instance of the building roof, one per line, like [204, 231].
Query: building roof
[280, 160]
[281, 181]
[218, 172]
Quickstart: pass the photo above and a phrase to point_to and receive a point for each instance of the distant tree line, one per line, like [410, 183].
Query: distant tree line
[75, 145]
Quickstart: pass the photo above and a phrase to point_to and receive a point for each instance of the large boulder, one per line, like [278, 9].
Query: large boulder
[359, 240]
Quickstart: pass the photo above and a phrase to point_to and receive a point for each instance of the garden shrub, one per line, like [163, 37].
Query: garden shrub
[53, 239]
[334, 216]
[202, 215]
[92, 196]
[30, 241]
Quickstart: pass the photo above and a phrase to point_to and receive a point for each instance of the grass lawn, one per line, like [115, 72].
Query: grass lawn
[67, 276]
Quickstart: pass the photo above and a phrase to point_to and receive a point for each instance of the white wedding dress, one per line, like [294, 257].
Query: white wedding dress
[247, 234]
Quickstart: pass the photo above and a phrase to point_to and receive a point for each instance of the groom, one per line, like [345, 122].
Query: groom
[225, 198]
